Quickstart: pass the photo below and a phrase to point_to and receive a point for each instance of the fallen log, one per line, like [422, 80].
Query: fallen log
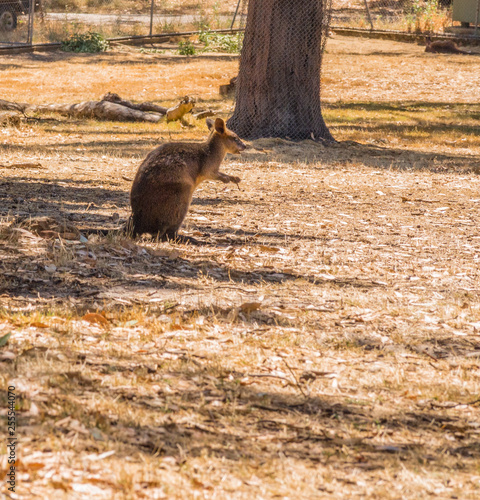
[143, 106]
[101, 110]
[12, 106]
[112, 107]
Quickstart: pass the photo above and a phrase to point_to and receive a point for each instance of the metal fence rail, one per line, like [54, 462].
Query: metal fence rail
[46, 21]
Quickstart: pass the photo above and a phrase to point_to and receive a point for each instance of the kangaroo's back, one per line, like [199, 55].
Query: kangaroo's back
[443, 47]
[170, 162]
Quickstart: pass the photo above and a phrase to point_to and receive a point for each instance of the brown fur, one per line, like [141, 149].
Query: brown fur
[443, 47]
[229, 88]
[164, 184]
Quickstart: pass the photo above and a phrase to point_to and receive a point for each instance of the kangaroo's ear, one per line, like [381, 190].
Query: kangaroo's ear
[220, 126]
[210, 123]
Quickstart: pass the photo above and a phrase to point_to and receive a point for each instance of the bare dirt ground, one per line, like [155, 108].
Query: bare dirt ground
[324, 342]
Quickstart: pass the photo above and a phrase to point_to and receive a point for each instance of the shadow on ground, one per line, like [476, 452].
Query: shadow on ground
[215, 416]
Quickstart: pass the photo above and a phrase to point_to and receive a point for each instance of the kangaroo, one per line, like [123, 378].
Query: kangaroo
[443, 46]
[165, 181]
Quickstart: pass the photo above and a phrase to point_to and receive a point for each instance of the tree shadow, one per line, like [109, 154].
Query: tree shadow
[369, 155]
[138, 147]
[112, 58]
[416, 106]
[203, 415]
[82, 278]
[22, 196]
[95, 282]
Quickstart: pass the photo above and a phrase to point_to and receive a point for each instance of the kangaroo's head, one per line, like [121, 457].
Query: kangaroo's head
[229, 139]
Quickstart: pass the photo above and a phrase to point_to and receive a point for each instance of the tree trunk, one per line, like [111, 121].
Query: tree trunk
[278, 87]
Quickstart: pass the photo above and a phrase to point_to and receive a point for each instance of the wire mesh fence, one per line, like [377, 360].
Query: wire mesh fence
[393, 15]
[56, 20]
[16, 21]
[44, 21]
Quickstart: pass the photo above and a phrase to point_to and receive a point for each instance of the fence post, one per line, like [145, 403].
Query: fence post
[235, 15]
[31, 13]
[152, 5]
[477, 17]
[368, 14]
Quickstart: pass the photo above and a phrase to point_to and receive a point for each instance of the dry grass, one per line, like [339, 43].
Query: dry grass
[323, 343]
[134, 7]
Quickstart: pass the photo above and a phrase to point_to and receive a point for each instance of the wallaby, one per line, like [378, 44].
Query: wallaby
[443, 47]
[164, 184]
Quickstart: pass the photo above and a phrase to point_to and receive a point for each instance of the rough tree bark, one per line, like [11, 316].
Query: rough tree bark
[278, 87]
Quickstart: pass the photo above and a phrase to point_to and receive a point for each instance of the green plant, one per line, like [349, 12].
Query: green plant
[166, 27]
[85, 42]
[217, 42]
[186, 48]
[426, 13]
[204, 36]
[144, 50]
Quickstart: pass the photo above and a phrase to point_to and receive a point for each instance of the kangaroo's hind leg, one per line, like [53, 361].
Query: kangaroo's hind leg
[179, 209]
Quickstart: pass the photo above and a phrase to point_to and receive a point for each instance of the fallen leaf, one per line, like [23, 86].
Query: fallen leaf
[31, 465]
[4, 339]
[38, 324]
[68, 236]
[96, 318]
[94, 457]
[326, 276]
[248, 307]
[246, 381]
[131, 323]
[60, 485]
[33, 410]
[200, 484]
[266, 248]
